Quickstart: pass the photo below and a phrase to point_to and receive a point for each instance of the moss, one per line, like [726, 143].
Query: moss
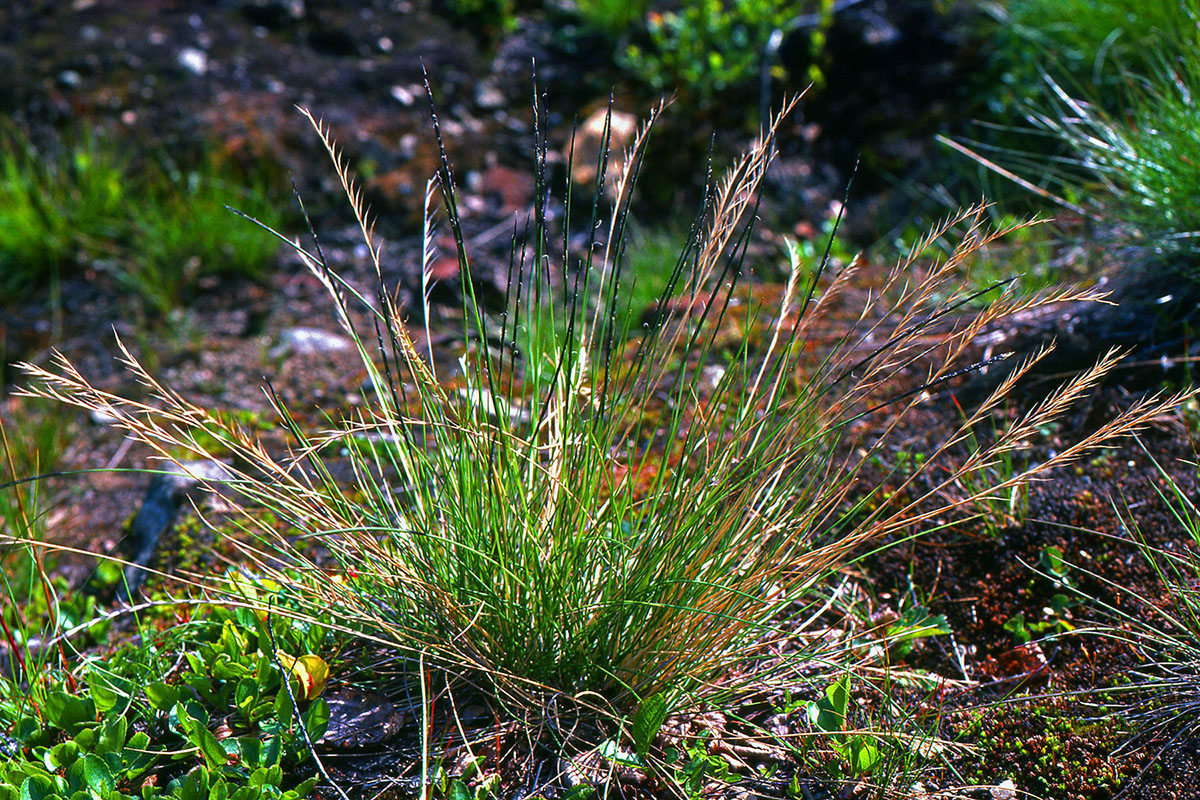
[1057, 751]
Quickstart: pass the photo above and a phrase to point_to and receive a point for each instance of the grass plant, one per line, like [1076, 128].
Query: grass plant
[54, 207]
[1160, 697]
[1087, 44]
[1113, 137]
[33, 439]
[558, 523]
[157, 228]
[1145, 161]
[35, 436]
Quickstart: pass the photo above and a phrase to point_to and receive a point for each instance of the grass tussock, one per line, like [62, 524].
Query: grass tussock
[1160, 694]
[1110, 134]
[562, 517]
[155, 226]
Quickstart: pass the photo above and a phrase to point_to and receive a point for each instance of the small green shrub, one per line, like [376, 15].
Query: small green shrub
[613, 17]
[706, 47]
[487, 18]
[141, 720]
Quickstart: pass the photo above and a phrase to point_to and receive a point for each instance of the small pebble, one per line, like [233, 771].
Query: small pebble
[69, 79]
[488, 96]
[309, 341]
[1005, 790]
[403, 96]
[193, 60]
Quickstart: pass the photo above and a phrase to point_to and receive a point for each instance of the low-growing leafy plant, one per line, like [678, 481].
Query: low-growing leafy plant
[830, 715]
[706, 47]
[140, 723]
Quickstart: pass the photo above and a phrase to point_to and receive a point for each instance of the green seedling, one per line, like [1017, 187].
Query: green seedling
[829, 715]
[647, 722]
[915, 623]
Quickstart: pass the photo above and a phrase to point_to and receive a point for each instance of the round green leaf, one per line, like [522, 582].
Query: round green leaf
[97, 775]
[162, 696]
[36, 787]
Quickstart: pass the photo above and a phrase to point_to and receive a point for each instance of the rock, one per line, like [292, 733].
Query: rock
[358, 720]
[404, 95]
[69, 79]
[310, 341]
[514, 188]
[588, 140]
[193, 59]
[104, 417]
[488, 96]
[169, 489]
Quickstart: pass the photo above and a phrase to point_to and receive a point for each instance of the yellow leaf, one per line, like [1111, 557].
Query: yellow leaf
[313, 673]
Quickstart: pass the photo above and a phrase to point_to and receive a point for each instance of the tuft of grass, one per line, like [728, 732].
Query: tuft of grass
[51, 209]
[157, 228]
[1112, 134]
[33, 436]
[557, 522]
[1159, 698]
[1086, 43]
[33, 439]
[1145, 161]
[189, 234]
